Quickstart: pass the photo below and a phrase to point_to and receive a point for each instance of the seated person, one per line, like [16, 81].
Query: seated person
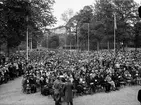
[109, 80]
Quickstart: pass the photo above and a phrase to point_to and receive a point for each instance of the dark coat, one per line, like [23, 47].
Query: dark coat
[68, 92]
[139, 96]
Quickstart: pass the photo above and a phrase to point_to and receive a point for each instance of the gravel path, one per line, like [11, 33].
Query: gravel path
[11, 94]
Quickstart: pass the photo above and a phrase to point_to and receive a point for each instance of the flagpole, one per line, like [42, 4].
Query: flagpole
[27, 40]
[115, 34]
[114, 42]
[31, 43]
[88, 39]
[77, 46]
[27, 34]
[47, 41]
[65, 39]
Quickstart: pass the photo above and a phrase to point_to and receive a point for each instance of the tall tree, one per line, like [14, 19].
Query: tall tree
[14, 21]
[137, 33]
[68, 14]
[126, 16]
[83, 19]
[100, 17]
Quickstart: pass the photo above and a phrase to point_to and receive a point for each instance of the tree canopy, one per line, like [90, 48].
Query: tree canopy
[100, 17]
[17, 15]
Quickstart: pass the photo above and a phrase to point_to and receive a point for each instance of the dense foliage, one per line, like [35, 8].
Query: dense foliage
[100, 18]
[17, 15]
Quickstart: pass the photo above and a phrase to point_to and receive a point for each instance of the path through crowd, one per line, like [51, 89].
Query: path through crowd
[11, 94]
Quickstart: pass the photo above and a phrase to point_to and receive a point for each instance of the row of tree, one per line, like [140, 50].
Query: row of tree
[19, 16]
[98, 21]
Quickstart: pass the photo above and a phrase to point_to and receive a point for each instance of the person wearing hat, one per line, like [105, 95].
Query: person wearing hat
[68, 90]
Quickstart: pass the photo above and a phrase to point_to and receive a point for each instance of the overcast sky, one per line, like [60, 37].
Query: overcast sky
[62, 5]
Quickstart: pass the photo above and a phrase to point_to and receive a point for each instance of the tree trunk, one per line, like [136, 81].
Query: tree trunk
[108, 46]
[8, 50]
[136, 42]
[76, 38]
[98, 47]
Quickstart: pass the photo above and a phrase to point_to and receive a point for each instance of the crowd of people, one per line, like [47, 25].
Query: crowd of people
[10, 68]
[62, 73]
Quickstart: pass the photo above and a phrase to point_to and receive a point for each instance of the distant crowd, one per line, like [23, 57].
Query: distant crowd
[88, 72]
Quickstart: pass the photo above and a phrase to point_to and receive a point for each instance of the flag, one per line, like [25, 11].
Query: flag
[115, 23]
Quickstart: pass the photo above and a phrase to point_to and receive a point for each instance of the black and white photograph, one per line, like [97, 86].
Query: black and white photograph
[70, 52]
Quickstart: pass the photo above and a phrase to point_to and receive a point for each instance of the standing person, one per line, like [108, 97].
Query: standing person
[57, 95]
[68, 92]
[139, 96]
